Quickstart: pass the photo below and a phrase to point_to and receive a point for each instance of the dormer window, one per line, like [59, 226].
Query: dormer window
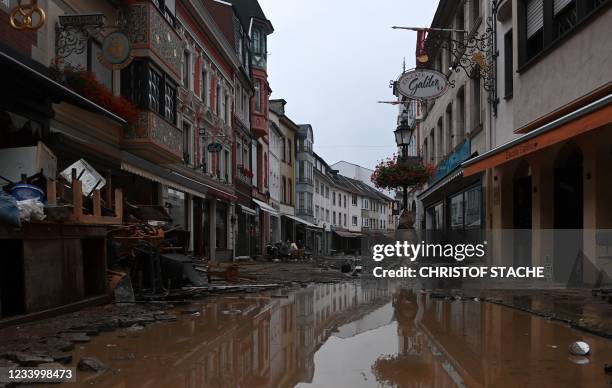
[256, 41]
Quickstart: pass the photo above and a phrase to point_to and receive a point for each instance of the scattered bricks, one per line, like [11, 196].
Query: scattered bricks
[166, 317]
[108, 325]
[60, 344]
[4, 363]
[127, 322]
[89, 330]
[76, 337]
[51, 365]
[61, 357]
[25, 359]
[91, 364]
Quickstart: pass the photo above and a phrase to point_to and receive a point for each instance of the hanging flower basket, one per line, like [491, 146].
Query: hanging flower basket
[394, 173]
[85, 83]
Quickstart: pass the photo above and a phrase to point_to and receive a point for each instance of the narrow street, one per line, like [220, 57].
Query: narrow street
[306, 193]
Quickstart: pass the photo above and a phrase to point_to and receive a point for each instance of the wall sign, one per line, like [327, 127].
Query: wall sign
[422, 84]
[214, 147]
[115, 51]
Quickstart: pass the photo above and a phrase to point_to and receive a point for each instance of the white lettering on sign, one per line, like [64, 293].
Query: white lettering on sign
[422, 84]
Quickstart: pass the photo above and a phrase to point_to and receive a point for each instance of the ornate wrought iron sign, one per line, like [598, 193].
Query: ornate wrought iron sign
[27, 16]
[472, 53]
[73, 32]
[422, 84]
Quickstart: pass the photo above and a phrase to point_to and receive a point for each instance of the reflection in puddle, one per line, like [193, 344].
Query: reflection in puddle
[347, 335]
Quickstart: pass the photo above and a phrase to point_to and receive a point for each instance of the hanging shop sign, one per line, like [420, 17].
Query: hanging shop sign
[422, 84]
[27, 16]
[214, 147]
[115, 52]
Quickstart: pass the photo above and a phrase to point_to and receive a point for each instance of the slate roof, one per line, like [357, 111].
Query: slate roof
[248, 9]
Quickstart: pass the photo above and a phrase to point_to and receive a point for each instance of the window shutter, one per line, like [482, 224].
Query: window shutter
[560, 4]
[535, 17]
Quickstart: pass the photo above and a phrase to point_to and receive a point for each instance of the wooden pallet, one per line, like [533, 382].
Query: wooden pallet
[77, 215]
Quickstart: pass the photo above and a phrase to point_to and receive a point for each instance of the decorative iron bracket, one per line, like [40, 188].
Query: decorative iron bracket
[474, 54]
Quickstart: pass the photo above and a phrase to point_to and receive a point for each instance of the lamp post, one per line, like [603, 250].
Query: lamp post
[403, 136]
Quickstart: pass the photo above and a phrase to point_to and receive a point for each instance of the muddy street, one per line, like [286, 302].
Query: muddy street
[352, 334]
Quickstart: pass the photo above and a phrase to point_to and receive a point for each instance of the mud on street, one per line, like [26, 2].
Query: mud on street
[303, 324]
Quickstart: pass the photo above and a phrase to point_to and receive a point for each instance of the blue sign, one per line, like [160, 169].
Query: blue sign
[452, 161]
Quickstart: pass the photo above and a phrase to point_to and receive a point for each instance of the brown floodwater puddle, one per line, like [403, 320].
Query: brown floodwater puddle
[347, 335]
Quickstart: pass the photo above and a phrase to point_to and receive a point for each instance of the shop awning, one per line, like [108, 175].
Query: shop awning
[165, 176]
[248, 210]
[265, 207]
[28, 68]
[582, 120]
[347, 234]
[301, 221]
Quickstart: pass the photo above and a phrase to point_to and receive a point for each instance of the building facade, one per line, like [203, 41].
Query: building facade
[452, 128]
[287, 130]
[548, 165]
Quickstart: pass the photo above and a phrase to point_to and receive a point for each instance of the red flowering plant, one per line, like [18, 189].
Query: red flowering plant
[245, 171]
[85, 83]
[395, 172]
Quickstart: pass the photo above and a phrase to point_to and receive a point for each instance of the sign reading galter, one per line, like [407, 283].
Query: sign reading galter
[422, 84]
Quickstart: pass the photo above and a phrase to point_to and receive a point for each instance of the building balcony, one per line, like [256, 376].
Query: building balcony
[244, 176]
[154, 139]
[306, 181]
[152, 35]
[304, 211]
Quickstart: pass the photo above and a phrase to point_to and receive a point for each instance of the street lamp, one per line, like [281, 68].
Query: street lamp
[403, 136]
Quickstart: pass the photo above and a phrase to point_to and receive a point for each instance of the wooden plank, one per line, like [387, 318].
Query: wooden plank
[97, 209]
[51, 192]
[77, 200]
[119, 204]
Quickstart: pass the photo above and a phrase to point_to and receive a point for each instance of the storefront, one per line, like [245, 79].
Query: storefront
[266, 213]
[307, 235]
[245, 233]
[453, 207]
[552, 187]
[346, 242]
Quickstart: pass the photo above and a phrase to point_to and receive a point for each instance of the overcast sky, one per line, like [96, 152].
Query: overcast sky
[332, 60]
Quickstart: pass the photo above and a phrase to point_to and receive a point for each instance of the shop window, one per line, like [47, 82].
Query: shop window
[456, 211]
[434, 217]
[221, 226]
[473, 207]
[175, 206]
